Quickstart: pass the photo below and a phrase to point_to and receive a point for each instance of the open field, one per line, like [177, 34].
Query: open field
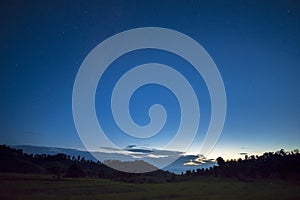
[45, 187]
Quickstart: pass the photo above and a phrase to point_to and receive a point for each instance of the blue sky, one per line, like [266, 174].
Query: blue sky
[255, 44]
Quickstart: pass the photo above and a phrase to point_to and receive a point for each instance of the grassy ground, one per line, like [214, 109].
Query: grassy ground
[44, 187]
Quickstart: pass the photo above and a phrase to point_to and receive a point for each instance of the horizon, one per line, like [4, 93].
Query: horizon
[238, 154]
[254, 45]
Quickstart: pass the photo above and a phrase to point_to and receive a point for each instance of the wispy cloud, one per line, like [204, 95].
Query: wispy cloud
[191, 163]
[157, 156]
[137, 152]
[199, 160]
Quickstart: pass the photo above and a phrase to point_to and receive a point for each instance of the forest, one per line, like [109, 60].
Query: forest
[281, 165]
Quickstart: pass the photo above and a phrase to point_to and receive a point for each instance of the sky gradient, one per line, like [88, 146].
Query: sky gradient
[255, 44]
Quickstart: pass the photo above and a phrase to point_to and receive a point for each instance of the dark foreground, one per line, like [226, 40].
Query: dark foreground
[13, 186]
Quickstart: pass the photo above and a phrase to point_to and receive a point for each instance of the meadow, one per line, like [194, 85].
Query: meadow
[17, 186]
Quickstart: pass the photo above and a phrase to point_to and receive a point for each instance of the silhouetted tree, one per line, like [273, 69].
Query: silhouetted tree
[220, 161]
[75, 171]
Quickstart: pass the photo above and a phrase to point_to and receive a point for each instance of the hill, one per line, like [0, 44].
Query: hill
[62, 165]
[179, 166]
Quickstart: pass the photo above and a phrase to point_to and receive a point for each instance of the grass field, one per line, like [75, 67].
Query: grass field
[44, 187]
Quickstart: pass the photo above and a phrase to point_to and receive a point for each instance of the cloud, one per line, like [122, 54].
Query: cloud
[136, 149]
[197, 160]
[109, 148]
[157, 156]
[139, 150]
[191, 163]
[137, 157]
[200, 159]
[243, 153]
[116, 151]
[209, 160]
[130, 146]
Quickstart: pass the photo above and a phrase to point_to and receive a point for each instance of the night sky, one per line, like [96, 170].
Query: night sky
[255, 45]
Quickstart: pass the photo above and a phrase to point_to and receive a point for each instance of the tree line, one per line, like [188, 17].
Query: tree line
[280, 164]
[62, 165]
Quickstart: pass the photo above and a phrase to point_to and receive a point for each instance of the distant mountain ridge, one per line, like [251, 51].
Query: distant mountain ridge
[181, 165]
[60, 165]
